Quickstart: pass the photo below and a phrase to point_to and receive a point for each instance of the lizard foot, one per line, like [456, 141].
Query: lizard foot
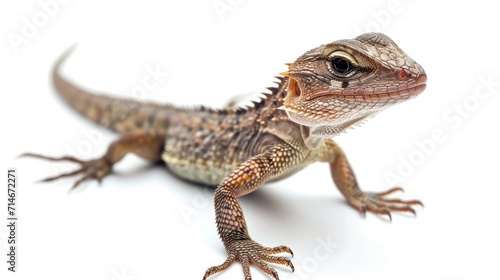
[378, 203]
[250, 252]
[97, 168]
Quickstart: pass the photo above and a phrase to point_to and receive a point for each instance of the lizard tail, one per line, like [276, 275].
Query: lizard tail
[116, 114]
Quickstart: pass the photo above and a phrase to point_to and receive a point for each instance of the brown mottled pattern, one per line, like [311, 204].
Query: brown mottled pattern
[207, 145]
[202, 145]
[325, 91]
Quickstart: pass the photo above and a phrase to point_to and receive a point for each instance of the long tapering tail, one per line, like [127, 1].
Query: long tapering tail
[117, 114]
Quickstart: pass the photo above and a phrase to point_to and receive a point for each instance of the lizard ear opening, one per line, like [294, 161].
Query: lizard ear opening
[293, 88]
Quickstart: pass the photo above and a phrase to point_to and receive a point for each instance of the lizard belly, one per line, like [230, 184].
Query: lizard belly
[209, 172]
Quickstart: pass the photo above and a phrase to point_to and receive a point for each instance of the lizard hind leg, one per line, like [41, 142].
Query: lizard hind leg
[144, 144]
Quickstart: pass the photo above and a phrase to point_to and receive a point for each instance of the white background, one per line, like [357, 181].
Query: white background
[143, 223]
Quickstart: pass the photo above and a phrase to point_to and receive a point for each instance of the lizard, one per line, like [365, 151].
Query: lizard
[237, 149]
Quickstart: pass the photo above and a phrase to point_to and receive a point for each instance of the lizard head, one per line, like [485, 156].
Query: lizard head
[339, 84]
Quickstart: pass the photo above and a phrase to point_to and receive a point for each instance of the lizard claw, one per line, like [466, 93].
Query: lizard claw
[96, 169]
[250, 252]
[377, 203]
[390, 191]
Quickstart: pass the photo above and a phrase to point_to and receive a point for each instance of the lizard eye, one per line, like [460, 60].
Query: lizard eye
[341, 65]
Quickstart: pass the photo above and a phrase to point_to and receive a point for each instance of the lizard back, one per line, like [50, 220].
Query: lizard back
[201, 144]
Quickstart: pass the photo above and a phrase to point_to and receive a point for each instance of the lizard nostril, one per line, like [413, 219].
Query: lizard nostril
[401, 74]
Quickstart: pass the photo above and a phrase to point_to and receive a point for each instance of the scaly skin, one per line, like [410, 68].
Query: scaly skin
[325, 91]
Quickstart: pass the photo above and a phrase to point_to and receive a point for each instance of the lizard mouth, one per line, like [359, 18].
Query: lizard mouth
[412, 89]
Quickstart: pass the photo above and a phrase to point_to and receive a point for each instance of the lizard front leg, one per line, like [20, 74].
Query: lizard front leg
[344, 178]
[147, 145]
[231, 224]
